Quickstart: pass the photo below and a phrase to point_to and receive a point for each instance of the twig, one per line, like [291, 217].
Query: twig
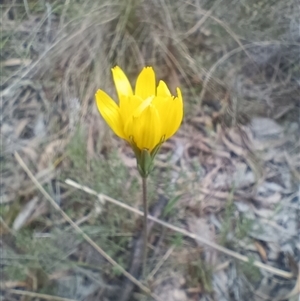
[102, 197]
[161, 262]
[77, 229]
[37, 295]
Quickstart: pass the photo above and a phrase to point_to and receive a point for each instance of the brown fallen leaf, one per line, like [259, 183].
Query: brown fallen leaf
[235, 136]
[30, 152]
[261, 251]
[208, 179]
[238, 150]
[21, 126]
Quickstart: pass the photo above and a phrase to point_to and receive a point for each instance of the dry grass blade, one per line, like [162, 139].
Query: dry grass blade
[37, 295]
[78, 229]
[198, 25]
[225, 26]
[222, 60]
[275, 271]
[161, 262]
[295, 291]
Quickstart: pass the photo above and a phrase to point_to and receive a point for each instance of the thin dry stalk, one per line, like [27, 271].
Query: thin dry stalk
[102, 197]
[78, 230]
[160, 263]
[37, 295]
[221, 61]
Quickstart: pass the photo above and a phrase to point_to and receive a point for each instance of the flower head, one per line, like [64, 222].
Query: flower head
[145, 117]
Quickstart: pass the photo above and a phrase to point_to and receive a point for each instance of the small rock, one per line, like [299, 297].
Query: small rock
[264, 128]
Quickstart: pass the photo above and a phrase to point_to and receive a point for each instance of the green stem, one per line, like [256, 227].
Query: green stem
[145, 225]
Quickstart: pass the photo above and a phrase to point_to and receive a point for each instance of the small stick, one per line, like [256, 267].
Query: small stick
[80, 231]
[160, 263]
[38, 295]
[102, 197]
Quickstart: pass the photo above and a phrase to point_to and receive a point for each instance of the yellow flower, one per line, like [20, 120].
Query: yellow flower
[145, 117]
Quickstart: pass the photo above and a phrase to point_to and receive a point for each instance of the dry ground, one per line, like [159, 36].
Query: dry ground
[225, 190]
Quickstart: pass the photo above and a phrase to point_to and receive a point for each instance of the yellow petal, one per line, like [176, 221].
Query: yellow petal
[128, 105]
[141, 108]
[110, 112]
[170, 110]
[122, 83]
[162, 89]
[145, 127]
[145, 83]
